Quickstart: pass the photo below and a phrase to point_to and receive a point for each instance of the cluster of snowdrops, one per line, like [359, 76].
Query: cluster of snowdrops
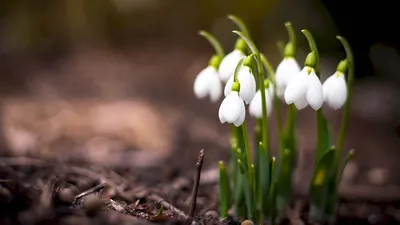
[259, 187]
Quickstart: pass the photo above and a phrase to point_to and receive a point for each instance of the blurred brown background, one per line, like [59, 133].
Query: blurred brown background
[110, 81]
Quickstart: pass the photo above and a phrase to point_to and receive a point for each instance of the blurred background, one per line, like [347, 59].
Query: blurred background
[110, 81]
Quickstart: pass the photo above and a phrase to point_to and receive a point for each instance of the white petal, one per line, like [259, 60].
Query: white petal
[301, 102]
[228, 86]
[230, 108]
[336, 90]
[255, 107]
[247, 84]
[280, 92]
[286, 70]
[297, 86]
[228, 64]
[201, 82]
[314, 91]
[215, 87]
[326, 87]
[242, 116]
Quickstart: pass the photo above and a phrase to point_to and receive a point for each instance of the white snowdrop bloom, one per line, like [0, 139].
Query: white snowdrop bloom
[207, 83]
[286, 70]
[255, 107]
[247, 84]
[232, 109]
[305, 88]
[229, 63]
[335, 90]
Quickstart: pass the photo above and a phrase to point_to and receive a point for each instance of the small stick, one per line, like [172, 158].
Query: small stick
[89, 191]
[167, 205]
[195, 190]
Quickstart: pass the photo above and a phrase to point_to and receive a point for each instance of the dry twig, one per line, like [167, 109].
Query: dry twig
[195, 190]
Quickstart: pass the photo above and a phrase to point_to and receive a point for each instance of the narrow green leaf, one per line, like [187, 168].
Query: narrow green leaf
[239, 199]
[270, 205]
[348, 158]
[242, 168]
[330, 209]
[224, 191]
[319, 183]
[332, 192]
[324, 138]
[248, 193]
[257, 141]
[234, 143]
[264, 173]
[284, 181]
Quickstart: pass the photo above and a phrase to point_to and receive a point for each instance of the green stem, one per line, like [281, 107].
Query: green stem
[214, 42]
[313, 48]
[237, 68]
[260, 69]
[291, 33]
[290, 118]
[345, 116]
[239, 22]
[247, 147]
[277, 105]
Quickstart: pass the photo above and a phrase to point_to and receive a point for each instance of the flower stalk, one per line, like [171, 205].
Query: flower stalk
[346, 110]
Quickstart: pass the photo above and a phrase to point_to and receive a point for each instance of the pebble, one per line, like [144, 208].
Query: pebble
[378, 176]
[66, 195]
[247, 222]
[92, 204]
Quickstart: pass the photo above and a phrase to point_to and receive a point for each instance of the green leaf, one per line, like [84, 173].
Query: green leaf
[248, 194]
[224, 191]
[324, 138]
[319, 183]
[284, 181]
[264, 174]
[331, 199]
[333, 188]
[239, 199]
[270, 205]
[348, 158]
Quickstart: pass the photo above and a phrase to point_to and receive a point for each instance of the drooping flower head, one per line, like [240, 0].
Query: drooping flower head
[230, 61]
[286, 70]
[207, 82]
[305, 88]
[232, 109]
[255, 107]
[335, 88]
[246, 80]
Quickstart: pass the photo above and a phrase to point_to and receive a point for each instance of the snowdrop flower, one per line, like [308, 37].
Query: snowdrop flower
[286, 70]
[229, 62]
[255, 107]
[247, 84]
[335, 88]
[232, 108]
[305, 88]
[207, 82]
